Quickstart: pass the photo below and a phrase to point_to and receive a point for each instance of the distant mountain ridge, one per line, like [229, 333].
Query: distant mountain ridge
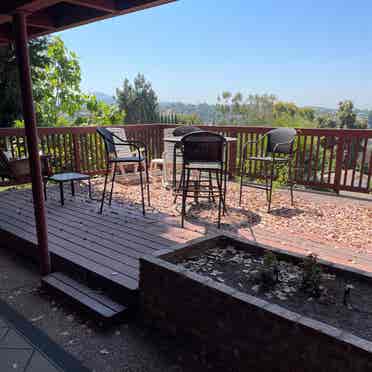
[110, 100]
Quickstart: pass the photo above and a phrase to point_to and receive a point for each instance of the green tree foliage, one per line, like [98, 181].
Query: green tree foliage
[327, 121]
[235, 109]
[345, 118]
[138, 100]
[189, 119]
[100, 113]
[10, 98]
[58, 86]
[346, 115]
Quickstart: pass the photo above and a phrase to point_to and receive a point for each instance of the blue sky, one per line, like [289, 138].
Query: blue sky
[311, 52]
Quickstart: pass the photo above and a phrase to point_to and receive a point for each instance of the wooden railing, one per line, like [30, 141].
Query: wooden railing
[333, 159]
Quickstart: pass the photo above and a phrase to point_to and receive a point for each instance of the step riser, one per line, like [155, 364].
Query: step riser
[96, 304]
[113, 290]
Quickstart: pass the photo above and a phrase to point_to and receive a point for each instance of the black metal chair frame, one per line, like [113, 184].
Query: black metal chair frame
[201, 189]
[274, 161]
[110, 148]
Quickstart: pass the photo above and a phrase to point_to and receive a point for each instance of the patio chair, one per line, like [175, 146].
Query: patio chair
[113, 145]
[203, 152]
[17, 171]
[279, 151]
[123, 151]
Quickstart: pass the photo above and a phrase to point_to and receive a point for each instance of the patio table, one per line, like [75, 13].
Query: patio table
[61, 178]
[177, 140]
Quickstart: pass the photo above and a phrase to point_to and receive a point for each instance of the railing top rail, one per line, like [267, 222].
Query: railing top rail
[366, 133]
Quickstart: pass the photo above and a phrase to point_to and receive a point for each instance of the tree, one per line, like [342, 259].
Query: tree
[100, 113]
[138, 100]
[345, 118]
[370, 119]
[235, 109]
[285, 108]
[327, 121]
[346, 115]
[58, 94]
[10, 97]
[189, 119]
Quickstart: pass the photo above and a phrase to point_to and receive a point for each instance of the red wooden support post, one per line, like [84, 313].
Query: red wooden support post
[339, 163]
[23, 58]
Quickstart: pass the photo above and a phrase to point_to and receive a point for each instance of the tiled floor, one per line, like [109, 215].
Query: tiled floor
[24, 348]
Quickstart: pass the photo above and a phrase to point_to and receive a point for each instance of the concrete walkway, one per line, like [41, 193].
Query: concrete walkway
[24, 348]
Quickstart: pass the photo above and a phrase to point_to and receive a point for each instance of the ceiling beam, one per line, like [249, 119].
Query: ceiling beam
[41, 20]
[104, 5]
[26, 5]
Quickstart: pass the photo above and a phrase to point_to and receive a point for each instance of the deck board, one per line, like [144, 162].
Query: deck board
[107, 245]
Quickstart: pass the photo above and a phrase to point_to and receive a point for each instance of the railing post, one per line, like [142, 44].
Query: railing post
[76, 146]
[339, 163]
[232, 159]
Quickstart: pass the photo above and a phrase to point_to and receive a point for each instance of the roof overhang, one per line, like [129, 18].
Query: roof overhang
[48, 16]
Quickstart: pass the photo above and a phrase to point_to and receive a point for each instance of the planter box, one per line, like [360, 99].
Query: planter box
[238, 331]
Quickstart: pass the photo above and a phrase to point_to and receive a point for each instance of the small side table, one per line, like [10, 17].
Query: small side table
[71, 177]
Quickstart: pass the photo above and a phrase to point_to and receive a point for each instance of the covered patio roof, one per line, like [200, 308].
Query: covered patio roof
[47, 16]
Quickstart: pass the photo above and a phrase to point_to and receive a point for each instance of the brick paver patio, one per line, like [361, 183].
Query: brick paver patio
[24, 348]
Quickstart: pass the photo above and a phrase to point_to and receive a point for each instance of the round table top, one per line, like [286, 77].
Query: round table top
[68, 176]
[178, 139]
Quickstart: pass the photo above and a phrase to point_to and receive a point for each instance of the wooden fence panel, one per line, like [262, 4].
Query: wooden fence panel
[334, 159]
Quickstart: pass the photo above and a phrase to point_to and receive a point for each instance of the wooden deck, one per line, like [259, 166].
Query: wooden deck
[107, 246]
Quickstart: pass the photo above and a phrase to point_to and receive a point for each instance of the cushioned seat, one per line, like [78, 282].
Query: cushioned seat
[267, 158]
[127, 159]
[206, 166]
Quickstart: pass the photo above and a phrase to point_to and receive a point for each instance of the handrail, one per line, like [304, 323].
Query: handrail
[337, 159]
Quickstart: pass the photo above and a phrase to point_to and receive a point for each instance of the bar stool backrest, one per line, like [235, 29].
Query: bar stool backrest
[280, 140]
[203, 147]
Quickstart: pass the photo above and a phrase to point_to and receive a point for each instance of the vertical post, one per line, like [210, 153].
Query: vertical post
[232, 159]
[23, 59]
[76, 145]
[339, 163]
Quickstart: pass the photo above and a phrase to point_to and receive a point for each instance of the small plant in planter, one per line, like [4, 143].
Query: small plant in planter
[269, 273]
[312, 276]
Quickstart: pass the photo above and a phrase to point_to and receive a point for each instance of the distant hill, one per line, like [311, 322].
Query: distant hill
[110, 100]
[205, 111]
[208, 112]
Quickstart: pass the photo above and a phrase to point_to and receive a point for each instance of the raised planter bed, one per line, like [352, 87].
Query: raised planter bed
[240, 331]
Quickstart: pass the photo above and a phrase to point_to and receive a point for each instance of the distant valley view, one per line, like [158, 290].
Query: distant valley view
[209, 113]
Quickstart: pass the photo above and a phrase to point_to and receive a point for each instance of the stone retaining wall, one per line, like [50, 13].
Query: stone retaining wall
[237, 331]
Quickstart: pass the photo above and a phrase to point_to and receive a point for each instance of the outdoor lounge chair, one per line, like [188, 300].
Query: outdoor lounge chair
[17, 171]
[279, 151]
[114, 146]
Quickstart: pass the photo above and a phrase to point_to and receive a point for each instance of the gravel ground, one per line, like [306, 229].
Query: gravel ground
[327, 218]
[243, 271]
[125, 348]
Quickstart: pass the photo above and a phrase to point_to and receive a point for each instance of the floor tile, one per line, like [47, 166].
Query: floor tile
[3, 323]
[3, 332]
[39, 363]
[13, 360]
[14, 340]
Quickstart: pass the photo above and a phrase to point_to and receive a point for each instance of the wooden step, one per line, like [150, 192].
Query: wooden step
[96, 303]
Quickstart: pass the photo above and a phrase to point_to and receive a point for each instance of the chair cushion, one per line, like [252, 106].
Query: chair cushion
[267, 158]
[211, 165]
[127, 159]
